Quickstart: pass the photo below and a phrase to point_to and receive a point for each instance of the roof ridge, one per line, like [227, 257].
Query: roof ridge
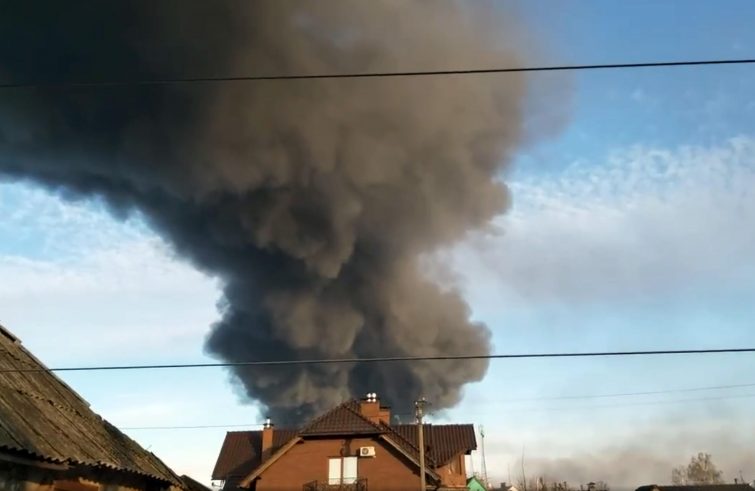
[57, 424]
[319, 418]
[6, 332]
[356, 410]
[350, 405]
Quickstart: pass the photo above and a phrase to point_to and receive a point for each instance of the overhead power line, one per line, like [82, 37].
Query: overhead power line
[529, 409]
[626, 394]
[195, 427]
[386, 359]
[620, 405]
[396, 74]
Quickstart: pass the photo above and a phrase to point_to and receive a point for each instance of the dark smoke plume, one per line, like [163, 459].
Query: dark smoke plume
[312, 200]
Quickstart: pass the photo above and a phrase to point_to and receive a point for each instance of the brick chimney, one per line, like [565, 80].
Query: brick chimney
[371, 409]
[267, 439]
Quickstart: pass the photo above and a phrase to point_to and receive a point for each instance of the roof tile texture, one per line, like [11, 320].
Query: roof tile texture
[42, 417]
[240, 454]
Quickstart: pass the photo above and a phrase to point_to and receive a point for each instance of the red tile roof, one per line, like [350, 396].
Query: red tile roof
[240, 454]
[344, 419]
[241, 451]
[191, 484]
[442, 442]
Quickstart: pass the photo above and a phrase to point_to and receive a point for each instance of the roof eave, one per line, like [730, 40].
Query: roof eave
[244, 483]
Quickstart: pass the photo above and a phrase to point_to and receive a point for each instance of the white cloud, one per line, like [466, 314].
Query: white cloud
[648, 221]
[102, 288]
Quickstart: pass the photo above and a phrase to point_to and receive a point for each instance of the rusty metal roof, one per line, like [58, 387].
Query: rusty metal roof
[43, 418]
[240, 453]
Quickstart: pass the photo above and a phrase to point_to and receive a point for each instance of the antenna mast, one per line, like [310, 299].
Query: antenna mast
[484, 466]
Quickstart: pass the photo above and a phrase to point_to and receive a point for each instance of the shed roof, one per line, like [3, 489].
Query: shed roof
[43, 418]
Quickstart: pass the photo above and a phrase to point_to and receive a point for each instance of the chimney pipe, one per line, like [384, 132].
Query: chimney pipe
[370, 409]
[267, 439]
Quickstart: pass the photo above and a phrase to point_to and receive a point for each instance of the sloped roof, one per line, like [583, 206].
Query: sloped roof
[240, 453]
[43, 418]
[344, 419]
[442, 442]
[193, 485]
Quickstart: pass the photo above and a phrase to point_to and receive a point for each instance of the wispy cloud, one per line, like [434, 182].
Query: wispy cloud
[648, 221]
[103, 287]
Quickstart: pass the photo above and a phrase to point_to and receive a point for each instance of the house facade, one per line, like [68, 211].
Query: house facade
[353, 447]
[50, 439]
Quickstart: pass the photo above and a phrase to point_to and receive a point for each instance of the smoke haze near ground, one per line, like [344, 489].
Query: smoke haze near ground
[312, 200]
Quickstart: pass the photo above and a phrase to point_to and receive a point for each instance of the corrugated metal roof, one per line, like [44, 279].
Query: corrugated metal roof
[240, 453]
[42, 417]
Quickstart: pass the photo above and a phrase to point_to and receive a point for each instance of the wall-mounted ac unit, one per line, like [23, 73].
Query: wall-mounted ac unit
[366, 451]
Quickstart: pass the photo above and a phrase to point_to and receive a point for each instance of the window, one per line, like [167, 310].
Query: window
[342, 470]
[334, 471]
[349, 470]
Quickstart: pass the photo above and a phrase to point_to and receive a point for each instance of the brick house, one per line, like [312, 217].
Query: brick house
[50, 440]
[351, 447]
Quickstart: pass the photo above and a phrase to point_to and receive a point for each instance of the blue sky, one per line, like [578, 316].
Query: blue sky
[631, 228]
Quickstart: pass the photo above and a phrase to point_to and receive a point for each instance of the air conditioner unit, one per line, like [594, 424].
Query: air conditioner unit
[366, 451]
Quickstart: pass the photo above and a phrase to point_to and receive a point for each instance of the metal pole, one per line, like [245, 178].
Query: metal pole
[484, 464]
[420, 405]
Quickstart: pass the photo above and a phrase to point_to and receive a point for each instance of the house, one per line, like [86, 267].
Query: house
[474, 483]
[351, 447]
[50, 440]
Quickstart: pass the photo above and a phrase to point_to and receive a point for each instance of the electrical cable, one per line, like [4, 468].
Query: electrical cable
[396, 74]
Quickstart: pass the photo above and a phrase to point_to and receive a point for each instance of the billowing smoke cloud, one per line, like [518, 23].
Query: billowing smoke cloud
[312, 200]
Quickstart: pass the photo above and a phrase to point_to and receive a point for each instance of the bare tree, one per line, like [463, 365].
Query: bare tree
[700, 470]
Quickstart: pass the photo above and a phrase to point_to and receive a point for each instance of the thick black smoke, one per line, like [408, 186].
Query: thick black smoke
[312, 200]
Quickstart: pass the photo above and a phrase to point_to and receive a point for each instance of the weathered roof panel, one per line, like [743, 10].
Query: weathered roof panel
[43, 417]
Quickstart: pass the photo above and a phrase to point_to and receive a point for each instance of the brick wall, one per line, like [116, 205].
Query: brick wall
[308, 461]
